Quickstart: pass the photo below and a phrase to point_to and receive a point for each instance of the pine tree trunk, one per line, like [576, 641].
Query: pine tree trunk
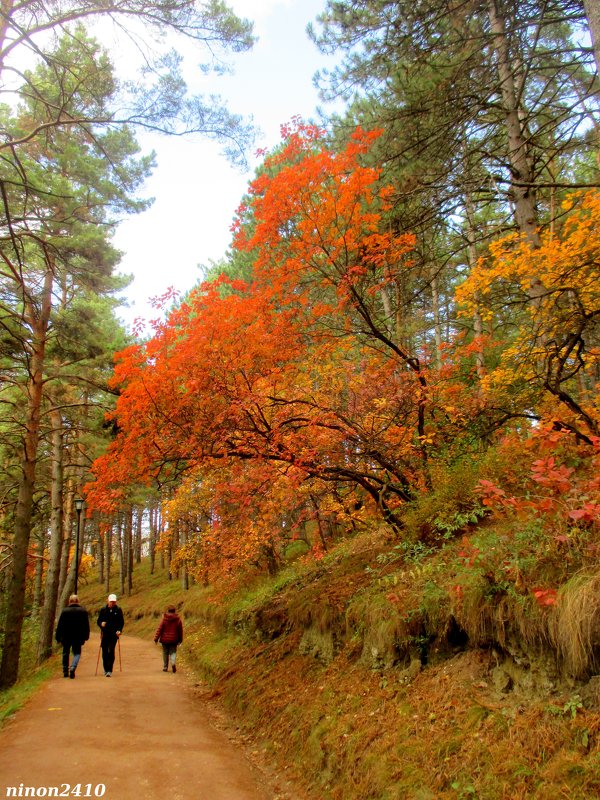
[592, 10]
[523, 191]
[153, 528]
[108, 556]
[15, 604]
[100, 557]
[472, 256]
[435, 301]
[66, 545]
[122, 554]
[40, 540]
[522, 188]
[56, 529]
[183, 572]
[129, 548]
[138, 535]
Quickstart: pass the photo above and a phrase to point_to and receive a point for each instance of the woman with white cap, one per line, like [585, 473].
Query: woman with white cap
[111, 623]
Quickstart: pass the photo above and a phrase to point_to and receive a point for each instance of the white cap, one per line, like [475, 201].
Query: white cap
[112, 597]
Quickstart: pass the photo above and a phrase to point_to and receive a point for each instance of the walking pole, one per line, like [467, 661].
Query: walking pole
[99, 649]
[119, 644]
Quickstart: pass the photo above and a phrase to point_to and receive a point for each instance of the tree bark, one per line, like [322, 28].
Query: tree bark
[153, 528]
[38, 319]
[139, 517]
[100, 557]
[435, 301]
[66, 544]
[40, 540]
[122, 554]
[522, 189]
[472, 256]
[56, 529]
[129, 548]
[108, 556]
[592, 11]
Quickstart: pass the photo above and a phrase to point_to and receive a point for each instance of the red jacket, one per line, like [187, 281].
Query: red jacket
[170, 630]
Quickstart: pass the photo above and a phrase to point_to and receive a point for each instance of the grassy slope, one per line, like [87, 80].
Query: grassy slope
[323, 664]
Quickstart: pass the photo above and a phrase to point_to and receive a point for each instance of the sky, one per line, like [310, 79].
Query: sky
[196, 190]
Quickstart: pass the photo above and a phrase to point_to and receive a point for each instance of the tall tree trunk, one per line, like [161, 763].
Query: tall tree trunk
[153, 536]
[522, 188]
[122, 554]
[56, 532]
[40, 540]
[183, 572]
[472, 256]
[100, 556]
[66, 543]
[69, 584]
[139, 517]
[592, 11]
[108, 555]
[129, 548]
[435, 301]
[170, 549]
[38, 319]
[163, 557]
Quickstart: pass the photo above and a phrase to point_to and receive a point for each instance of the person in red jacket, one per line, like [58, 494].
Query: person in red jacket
[170, 634]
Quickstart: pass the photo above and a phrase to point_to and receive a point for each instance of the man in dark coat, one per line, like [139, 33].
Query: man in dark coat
[170, 634]
[72, 631]
[111, 623]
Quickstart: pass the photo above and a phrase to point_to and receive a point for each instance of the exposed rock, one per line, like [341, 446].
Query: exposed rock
[590, 694]
[318, 644]
[410, 673]
[501, 680]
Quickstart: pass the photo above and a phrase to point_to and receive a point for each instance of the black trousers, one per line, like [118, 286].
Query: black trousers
[108, 645]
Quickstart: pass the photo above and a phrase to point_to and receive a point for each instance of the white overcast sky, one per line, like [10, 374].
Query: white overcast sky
[196, 191]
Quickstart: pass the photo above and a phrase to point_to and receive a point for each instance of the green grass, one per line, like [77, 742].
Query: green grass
[11, 700]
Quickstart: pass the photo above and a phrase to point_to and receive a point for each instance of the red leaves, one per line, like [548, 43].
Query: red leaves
[545, 597]
[494, 497]
[556, 477]
[589, 512]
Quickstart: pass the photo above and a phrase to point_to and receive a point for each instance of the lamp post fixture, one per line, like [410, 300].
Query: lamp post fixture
[79, 503]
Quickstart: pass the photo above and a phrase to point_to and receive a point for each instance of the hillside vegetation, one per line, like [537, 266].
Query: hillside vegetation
[369, 674]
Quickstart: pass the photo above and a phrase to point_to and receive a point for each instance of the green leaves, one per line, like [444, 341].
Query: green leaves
[76, 85]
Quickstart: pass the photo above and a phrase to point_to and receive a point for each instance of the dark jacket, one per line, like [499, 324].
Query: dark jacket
[170, 630]
[73, 625]
[114, 621]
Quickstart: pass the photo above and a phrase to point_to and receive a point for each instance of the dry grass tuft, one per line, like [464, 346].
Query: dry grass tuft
[575, 625]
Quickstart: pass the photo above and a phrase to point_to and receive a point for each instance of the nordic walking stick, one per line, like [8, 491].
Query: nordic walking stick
[99, 650]
[119, 644]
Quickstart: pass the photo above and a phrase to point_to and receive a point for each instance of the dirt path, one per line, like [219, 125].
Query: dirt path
[141, 734]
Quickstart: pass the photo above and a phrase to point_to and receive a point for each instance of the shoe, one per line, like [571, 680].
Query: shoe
[107, 674]
[65, 674]
[174, 668]
[71, 673]
[165, 669]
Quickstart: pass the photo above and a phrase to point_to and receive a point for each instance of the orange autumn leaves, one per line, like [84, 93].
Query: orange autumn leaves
[264, 394]
[285, 402]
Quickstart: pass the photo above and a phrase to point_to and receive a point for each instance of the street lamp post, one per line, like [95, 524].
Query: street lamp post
[79, 508]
